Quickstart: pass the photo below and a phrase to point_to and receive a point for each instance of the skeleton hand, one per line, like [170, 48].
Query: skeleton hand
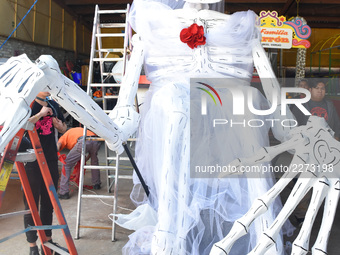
[316, 159]
[127, 119]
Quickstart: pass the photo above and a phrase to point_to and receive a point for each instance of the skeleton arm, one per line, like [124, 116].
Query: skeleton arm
[271, 89]
[74, 100]
[21, 80]
[123, 121]
[124, 114]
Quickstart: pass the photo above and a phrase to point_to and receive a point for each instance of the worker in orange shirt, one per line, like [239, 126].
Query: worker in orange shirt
[73, 140]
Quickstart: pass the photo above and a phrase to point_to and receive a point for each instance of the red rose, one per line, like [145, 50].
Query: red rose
[193, 36]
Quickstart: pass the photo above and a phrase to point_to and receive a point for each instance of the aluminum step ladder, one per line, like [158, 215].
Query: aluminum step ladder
[105, 35]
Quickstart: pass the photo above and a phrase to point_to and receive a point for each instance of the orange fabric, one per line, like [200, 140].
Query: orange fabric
[70, 138]
[76, 171]
[98, 93]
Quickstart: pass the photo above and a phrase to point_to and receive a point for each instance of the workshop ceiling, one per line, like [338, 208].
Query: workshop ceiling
[317, 13]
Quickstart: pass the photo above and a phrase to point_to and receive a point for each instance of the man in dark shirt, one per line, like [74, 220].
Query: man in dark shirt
[318, 105]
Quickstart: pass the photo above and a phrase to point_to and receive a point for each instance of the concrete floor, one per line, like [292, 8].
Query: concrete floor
[95, 213]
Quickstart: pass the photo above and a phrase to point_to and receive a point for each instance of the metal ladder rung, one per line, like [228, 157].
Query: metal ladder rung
[110, 97]
[124, 158]
[111, 158]
[55, 248]
[100, 167]
[111, 35]
[105, 85]
[106, 74]
[107, 59]
[120, 158]
[96, 227]
[111, 11]
[111, 25]
[127, 177]
[97, 196]
[7, 215]
[111, 50]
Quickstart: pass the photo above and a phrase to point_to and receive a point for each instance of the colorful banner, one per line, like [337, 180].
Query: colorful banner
[279, 33]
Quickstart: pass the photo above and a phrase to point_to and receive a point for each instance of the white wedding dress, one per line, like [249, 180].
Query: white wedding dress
[194, 213]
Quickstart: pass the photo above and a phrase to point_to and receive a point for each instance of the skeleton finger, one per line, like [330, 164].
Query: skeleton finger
[301, 243]
[303, 185]
[260, 206]
[331, 202]
[265, 154]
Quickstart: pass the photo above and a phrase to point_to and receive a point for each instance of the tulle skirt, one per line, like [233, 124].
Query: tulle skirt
[196, 211]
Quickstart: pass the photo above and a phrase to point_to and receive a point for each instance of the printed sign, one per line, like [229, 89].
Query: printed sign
[279, 33]
[276, 38]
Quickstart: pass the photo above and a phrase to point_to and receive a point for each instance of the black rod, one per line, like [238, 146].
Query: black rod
[146, 188]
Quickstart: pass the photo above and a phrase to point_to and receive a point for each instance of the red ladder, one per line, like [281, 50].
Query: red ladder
[6, 166]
